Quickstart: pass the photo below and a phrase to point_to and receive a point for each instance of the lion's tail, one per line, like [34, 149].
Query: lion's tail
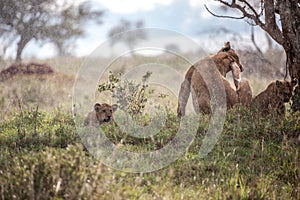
[184, 92]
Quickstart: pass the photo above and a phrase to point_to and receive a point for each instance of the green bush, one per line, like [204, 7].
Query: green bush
[33, 129]
[130, 96]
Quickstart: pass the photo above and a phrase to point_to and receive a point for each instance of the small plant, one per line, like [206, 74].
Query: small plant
[131, 96]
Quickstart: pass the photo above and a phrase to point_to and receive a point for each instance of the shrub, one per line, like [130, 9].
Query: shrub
[130, 96]
[34, 129]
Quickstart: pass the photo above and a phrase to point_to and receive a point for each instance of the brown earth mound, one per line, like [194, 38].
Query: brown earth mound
[25, 69]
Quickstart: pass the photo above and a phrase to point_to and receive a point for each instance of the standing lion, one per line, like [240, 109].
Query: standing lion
[225, 60]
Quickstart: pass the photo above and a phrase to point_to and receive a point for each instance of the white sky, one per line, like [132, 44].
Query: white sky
[188, 17]
[131, 6]
[199, 3]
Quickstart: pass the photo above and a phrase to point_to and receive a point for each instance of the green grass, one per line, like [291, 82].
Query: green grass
[41, 155]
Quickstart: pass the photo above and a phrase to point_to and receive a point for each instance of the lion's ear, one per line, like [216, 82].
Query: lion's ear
[114, 107]
[294, 82]
[226, 47]
[97, 107]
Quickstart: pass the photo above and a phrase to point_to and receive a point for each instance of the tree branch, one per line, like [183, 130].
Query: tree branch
[269, 25]
[222, 16]
[242, 9]
[251, 8]
[253, 41]
[270, 21]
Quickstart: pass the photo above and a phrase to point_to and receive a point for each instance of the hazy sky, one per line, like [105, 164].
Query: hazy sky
[187, 17]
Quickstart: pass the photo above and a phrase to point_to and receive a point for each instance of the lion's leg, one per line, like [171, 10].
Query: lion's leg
[195, 102]
[245, 93]
[183, 97]
[281, 110]
[201, 101]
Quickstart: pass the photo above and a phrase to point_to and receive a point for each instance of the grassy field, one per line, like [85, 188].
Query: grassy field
[42, 156]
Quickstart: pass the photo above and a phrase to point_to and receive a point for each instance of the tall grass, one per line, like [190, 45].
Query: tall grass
[42, 157]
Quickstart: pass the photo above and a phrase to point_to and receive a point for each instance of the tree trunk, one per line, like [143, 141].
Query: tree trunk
[21, 45]
[293, 63]
[290, 19]
[286, 33]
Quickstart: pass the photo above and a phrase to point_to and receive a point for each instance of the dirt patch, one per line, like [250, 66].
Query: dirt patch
[25, 69]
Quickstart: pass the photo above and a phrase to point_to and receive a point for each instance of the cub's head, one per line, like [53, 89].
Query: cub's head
[285, 89]
[104, 112]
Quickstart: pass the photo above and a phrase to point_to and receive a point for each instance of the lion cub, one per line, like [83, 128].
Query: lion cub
[272, 99]
[102, 113]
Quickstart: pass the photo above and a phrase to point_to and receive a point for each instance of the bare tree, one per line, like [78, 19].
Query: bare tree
[44, 21]
[281, 20]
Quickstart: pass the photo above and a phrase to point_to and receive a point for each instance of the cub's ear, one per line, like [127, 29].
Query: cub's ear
[97, 107]
[294, 82]
[278, 83]
[114, 107]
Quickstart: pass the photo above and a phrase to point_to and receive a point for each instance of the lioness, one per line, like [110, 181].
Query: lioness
[272, 99]
[225, 60]
[102, 113]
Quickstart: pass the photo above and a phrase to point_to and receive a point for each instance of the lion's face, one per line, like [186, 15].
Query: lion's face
[229, 55]
[285, 89]
[104, 112]
[227, 60]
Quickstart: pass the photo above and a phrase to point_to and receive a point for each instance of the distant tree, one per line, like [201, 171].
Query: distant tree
[281, 20]
[129, 39]
[44, 21]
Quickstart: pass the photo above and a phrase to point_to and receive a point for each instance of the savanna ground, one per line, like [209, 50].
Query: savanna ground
[42, 157]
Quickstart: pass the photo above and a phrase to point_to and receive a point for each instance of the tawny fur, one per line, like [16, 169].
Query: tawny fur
[241, 96]
[102, 113]
[225, 60]
[274, 97]
[244, 93]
